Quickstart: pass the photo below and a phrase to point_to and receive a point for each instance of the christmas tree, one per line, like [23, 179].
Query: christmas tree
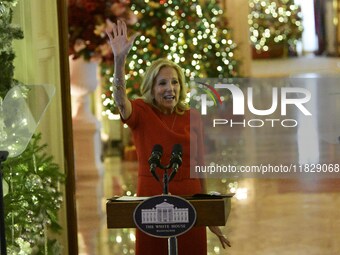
[8, 32]
[274, 22]
[33, 201]
[191, 34]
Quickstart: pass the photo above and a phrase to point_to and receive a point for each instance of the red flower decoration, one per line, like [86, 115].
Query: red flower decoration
[87, 25]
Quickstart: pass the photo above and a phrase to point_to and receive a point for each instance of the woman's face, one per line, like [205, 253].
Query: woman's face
[166, 89]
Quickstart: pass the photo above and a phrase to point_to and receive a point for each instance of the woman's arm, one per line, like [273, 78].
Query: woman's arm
[119, 89]
[120, 46]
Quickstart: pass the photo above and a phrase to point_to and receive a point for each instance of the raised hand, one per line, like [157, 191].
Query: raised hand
[119, 42]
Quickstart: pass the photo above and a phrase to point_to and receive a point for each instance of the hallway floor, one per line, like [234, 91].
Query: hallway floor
[286, 216]
[268, 216]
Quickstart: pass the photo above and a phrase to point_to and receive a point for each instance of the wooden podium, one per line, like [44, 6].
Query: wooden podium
[211, 210]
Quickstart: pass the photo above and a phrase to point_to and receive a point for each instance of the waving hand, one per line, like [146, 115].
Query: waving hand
[119, 42]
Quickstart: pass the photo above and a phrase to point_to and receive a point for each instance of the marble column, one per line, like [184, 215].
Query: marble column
[87, 150]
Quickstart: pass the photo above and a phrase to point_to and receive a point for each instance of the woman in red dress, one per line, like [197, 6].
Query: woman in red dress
[161, 116]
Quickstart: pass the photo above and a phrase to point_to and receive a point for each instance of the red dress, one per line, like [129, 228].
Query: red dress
[149, 127]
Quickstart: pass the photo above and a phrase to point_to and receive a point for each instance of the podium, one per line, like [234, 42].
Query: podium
[211, 210]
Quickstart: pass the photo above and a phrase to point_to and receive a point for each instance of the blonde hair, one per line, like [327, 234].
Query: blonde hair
[149, 80]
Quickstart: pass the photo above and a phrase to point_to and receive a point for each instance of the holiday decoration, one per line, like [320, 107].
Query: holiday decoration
[87, 21]
[192, 34]
[8, 32]
[31, 180]
[274, 24]
[33, 201]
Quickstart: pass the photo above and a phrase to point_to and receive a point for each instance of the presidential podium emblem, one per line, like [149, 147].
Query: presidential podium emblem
[164, 216]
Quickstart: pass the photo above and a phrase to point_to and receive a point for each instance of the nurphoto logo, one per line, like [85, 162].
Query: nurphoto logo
[242, 100]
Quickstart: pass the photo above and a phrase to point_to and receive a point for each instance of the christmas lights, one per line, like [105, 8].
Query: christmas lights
[192, 35]
[274, 22]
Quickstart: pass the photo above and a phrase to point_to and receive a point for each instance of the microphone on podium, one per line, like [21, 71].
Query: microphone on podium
[175, 160]
[155, 159]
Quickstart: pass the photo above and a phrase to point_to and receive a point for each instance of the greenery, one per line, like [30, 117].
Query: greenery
[8, 32]
[33, 201]
[193, 34]
[274, 22]
[31, 180]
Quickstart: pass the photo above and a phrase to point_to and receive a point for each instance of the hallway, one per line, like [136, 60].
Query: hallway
[268, 216]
